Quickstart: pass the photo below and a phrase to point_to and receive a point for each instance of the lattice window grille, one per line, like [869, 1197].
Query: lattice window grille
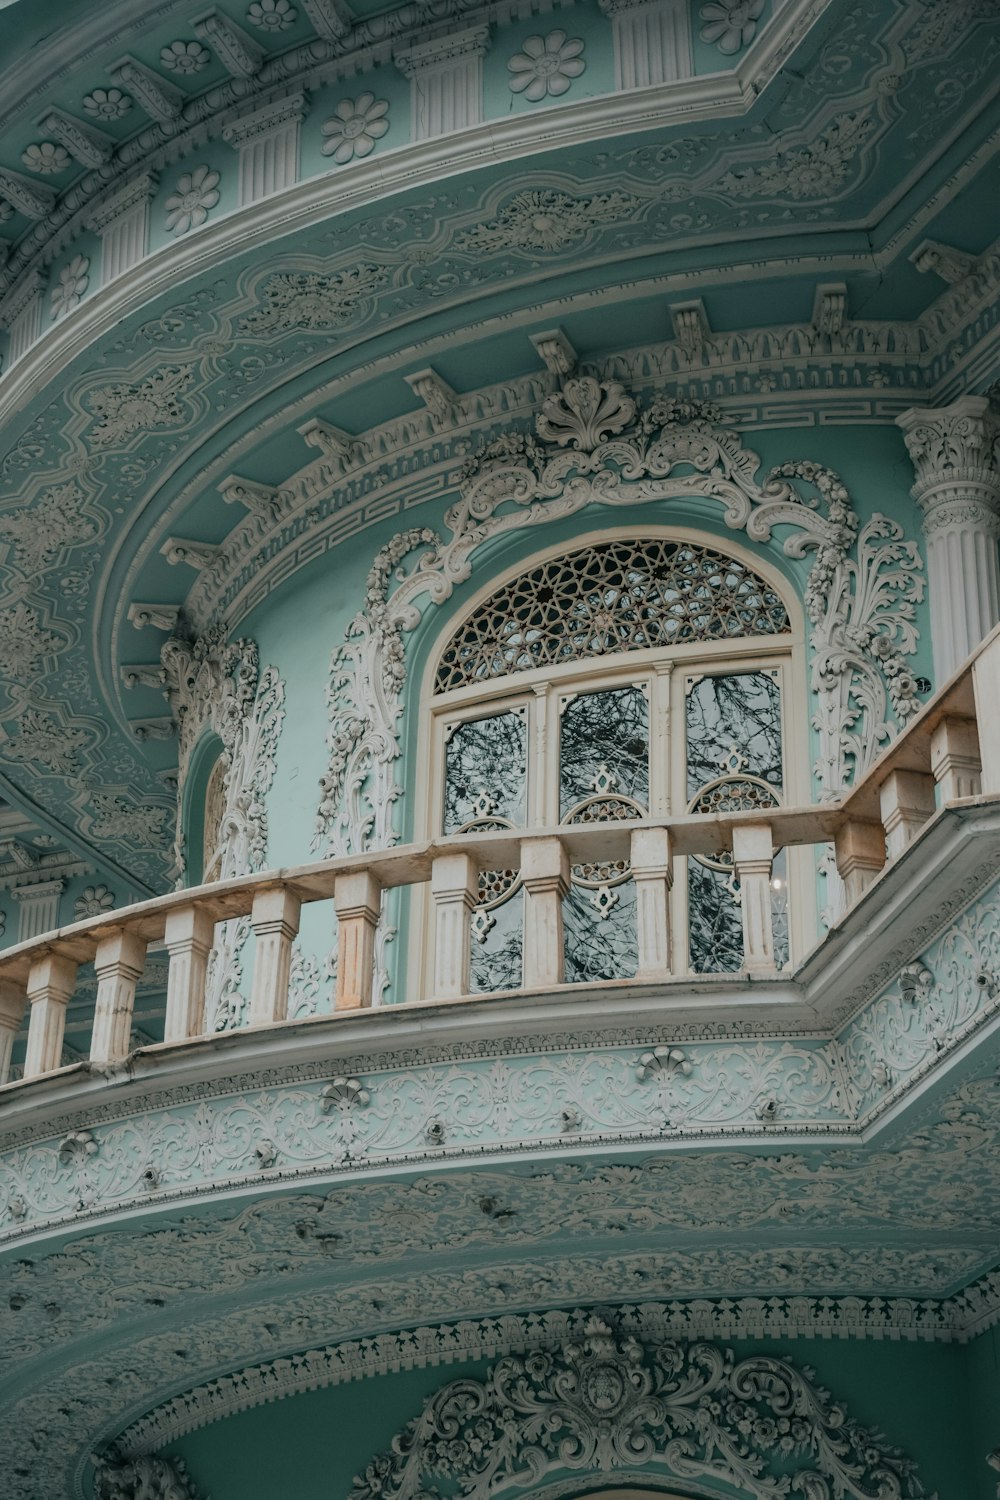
[610, 597]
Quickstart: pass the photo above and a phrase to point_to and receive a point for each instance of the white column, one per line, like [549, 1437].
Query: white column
[118, 963]
[358, 900]
[652, 41]
[652, 871]
[906, 801]
[189, 935]
[51, 982]
[13, 1001]
[956, 455]
[455, 888]
[122, 221]
[860, 850]
[268, 144]
[752, 856]
[446, 81]
[275, 921]
[956, 762]
[39, 906]
[545, 876]
[21, 315]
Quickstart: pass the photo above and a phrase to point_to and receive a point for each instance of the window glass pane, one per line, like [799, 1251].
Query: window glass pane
[604, 747]
[497, 934]
[734, 724]
[485, 771]
[600, 944]
[715, 924]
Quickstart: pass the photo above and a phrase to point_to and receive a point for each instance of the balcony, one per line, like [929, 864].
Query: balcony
[930, 804]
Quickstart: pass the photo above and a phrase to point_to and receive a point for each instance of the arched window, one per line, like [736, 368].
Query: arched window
[631, 676]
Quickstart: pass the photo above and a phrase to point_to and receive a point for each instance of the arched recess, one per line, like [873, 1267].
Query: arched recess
[644, 670]
[202, 808]
[606, 1408]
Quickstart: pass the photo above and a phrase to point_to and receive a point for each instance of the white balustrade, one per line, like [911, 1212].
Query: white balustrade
[950, 751]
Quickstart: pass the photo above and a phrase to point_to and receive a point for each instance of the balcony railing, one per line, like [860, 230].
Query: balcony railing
[950, 752]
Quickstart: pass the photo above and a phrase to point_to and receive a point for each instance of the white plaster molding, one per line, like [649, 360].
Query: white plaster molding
[122, 221]
[331, 19]
[158, 616]
[956, 457]
[33, 199]
[652, 41]
[267, 140]
[87, 144]
[21, 315]
[238, 53]
[39, 906]
[436, 394]
[197, 555]
[556, 352]
[161, 100]
[446, 81]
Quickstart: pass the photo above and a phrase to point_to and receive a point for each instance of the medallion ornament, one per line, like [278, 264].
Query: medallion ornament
[730, 24]
[146, 1478]
[69, 289]
[189, 205]
[354, 127]
[613, 1405]
[546, 65]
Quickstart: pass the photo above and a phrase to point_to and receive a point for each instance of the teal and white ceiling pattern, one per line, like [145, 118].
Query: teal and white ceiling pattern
[140, 398]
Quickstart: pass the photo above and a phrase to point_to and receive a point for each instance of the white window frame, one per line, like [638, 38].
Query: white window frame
[666, 670]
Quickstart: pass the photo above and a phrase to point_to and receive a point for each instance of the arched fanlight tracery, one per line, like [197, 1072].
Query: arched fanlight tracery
[601, 734]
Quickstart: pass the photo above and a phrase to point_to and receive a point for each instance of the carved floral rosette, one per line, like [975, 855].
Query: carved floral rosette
[593, 445]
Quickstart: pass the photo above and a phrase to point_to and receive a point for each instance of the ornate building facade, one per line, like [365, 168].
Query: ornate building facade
[499, 750]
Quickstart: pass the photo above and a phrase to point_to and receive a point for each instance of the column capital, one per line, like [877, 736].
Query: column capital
[955, 451]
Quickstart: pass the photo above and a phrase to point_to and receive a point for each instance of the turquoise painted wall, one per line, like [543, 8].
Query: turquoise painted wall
[312, 1445]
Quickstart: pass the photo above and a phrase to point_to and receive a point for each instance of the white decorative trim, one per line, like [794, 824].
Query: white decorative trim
[21, 315]
[267, 140]
[652, 41]
[861, 611]
[39, 908]
[161, 100]
[238, 53]
[607, 1403]
[446, 81]
[122, 221]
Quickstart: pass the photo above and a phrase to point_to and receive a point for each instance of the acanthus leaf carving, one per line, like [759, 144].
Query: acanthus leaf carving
[145, 1478]
[612, 1404]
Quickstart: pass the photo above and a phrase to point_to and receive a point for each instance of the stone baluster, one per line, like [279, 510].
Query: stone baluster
[986, 690]
[189, 935]
[752, 857]
[956, 456]
[358, 901]
[118, 962]
[860, 851]
[906, 800]
[955, 759]
[545, 876]
[652, 871]
[455, 889]
[13, 1001]
[51, 982]
[274, 918]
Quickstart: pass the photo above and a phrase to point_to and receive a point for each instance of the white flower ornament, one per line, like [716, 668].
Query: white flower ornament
[354, 127]
[73, 282]
[108, 104]
[546, 65]
[188, 205]
[730, 24]
[185, 57]
[46, 158]
[272, 15]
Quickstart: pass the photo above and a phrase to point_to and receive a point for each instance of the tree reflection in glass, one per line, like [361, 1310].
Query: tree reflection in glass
[484, 771]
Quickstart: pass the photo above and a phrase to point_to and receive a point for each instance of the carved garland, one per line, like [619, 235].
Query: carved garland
[609, 1404]
[595, 445]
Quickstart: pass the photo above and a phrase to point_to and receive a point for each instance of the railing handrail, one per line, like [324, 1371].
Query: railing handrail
[948, 753]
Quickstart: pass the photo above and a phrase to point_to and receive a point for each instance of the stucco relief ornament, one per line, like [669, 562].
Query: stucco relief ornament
[185, 57]
[124, 409]
[613, 1405]
[545, 219]
[93, 901]
[108, 104]
[354, 127]
[546, 65]
[863, 586]
[312, 301]
[46, 158]
[146, 1478]
[730, 24]
[69, 289]
[272, 15]
[814, 171]
[196, 194]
